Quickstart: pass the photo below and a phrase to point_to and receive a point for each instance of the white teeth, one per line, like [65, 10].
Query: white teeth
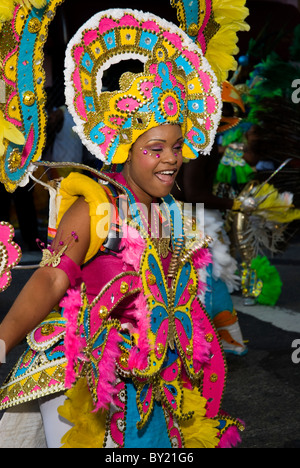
[167, 172]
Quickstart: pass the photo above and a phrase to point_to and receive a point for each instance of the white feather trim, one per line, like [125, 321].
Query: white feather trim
[224, 265]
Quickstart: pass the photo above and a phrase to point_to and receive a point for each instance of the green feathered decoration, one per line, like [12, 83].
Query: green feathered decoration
[231, 175]
[271, 79]
[233, 169]
[236, 134]
[272, 284]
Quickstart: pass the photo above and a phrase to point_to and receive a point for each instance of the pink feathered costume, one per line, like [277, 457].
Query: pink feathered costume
[140, 356]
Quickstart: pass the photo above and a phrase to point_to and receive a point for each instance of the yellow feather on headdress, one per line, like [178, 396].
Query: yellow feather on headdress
[9, 132]
[7, 8]
[222, 47]
[6, 11]
[33, 3]
[226, 19]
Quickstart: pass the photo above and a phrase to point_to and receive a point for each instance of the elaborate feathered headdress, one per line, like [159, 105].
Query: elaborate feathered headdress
[190, 61]
[177, 85]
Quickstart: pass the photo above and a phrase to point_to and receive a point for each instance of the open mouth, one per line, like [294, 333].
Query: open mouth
[166, 177]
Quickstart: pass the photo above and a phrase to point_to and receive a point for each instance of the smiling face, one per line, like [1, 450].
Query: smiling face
[153, 162]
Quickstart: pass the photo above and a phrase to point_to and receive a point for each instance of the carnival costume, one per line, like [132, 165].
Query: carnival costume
[268, 196]
[135, 347]
[222, 276]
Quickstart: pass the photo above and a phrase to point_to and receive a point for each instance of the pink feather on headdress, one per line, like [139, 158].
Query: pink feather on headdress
[202, 258]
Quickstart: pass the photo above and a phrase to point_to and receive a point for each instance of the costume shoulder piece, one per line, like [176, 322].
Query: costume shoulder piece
[22, 39]
[97, 195]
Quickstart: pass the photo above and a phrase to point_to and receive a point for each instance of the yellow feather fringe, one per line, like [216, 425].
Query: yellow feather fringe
[200, 431]
[275, 206]
[7, 8]
[221, 49]
[89, 427]
[33, 3]
[6, 11]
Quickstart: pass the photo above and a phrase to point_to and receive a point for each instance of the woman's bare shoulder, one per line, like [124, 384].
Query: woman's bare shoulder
[74, 231]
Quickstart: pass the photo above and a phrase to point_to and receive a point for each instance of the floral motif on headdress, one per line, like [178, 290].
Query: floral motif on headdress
[177, 85]
[168, 96]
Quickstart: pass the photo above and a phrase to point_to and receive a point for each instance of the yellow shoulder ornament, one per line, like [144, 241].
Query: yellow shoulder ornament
[78, 185]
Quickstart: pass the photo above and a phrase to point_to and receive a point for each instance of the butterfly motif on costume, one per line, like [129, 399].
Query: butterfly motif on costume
[93, 347]
[164, 387]
[100, 336]
[171, 312]
[183, 342]
[51, 258]
[171, 336]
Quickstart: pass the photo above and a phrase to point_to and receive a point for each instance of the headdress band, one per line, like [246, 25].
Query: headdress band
[177, 85]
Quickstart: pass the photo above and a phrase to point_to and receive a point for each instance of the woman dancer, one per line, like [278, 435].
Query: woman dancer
[141, 358]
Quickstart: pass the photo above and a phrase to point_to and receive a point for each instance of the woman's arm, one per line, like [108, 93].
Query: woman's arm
[43, 291]
[47, 285]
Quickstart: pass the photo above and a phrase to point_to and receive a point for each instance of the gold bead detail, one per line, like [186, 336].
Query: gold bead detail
[189, 350]
[47, 329]
[29, 98]
[124, 287]
[124, 360]
[103, 312]
[34, 25]
[28, 356]
[209, 337]
[151, 280]
[213, 378]
[192, 289]
[193, 30]
[160, 348]
[14, 160]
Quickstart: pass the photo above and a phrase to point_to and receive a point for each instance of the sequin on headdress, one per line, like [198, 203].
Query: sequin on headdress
[177, 85]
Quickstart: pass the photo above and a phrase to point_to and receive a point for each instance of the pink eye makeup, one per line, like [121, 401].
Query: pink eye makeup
[152, 151]
[157, 150]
